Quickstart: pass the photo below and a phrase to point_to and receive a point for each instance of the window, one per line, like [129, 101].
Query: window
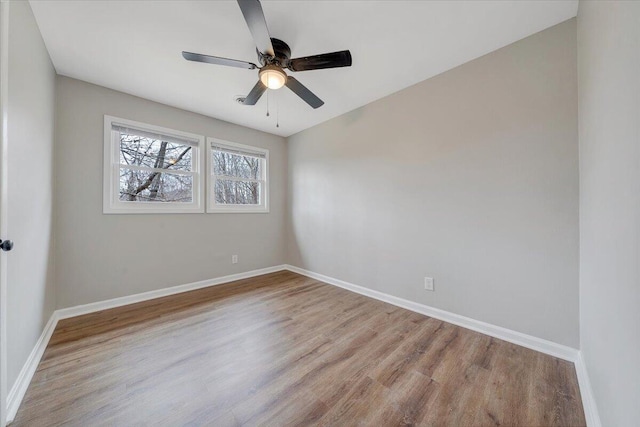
[237, 180]
[149, 169]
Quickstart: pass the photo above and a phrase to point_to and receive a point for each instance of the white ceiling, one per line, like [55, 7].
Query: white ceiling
[135, 47]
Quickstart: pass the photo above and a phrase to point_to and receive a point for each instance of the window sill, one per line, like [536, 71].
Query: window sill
[138, 211]
[238, 210]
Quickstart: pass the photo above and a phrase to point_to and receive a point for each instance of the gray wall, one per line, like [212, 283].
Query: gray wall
[30, 293]
[609, 123]
[105, 256]
[470, 177]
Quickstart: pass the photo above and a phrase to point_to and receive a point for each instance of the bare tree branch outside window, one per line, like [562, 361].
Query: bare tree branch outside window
[238, 178]
[150, 170]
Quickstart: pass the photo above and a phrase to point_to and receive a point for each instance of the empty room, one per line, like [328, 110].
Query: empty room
[319, 213]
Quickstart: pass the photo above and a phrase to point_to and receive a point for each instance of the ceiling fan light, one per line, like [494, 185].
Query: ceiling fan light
[273, 77]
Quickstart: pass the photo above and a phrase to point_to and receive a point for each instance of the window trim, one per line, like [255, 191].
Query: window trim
[111, 203]
[212, 207]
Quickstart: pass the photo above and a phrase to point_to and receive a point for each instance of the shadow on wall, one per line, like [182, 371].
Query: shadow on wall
[470, 177]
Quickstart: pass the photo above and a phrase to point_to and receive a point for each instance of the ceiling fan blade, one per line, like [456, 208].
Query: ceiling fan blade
[189, 56]
[325, 60]
[304, 93]
[253, 14]
[255, 94]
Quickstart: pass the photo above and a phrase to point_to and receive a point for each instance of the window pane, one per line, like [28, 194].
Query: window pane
[236, 165]
[149, 186]
[237, 192]
[154, 153]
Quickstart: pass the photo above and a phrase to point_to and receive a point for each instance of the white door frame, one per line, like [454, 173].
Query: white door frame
[4, 69]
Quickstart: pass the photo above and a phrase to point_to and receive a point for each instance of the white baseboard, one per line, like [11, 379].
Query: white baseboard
[534, 343]
[586, 393]
[145, 296]
[557, 350]
[16, 394]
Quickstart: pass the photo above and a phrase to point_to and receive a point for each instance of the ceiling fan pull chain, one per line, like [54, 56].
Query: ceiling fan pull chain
[277, 112]
[267, 102]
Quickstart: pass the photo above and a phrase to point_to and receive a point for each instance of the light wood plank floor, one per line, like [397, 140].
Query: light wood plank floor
[283, 349]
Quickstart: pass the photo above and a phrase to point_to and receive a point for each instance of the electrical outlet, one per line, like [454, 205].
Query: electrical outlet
[428, 283]
[234, 259]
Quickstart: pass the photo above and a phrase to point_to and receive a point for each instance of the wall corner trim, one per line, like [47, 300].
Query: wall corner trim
[586, 393]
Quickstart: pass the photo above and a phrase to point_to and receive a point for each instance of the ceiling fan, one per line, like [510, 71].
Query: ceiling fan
[274, 56]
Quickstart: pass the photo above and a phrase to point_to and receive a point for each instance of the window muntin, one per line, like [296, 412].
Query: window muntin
[151, 169]
[237, 178]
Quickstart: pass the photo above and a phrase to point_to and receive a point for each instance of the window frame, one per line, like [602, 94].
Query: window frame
[212, 206]
[111, 203]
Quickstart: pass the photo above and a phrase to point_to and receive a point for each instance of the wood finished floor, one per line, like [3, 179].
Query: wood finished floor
[283, 349]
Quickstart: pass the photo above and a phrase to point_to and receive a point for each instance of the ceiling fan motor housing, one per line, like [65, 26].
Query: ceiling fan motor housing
[282, 54]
